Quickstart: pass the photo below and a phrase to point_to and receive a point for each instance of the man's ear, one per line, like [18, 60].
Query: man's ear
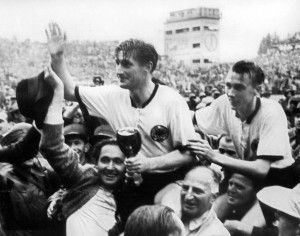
[148, 66]
[258, 88]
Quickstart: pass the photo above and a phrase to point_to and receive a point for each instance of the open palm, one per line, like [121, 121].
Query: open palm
[56, 40]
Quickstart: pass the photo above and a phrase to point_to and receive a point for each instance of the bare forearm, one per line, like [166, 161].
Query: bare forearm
[174, 159]
[259, 167]
[59, 65]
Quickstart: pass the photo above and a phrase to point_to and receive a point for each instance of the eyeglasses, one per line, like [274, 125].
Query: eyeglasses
[226, 151]
[238, 87]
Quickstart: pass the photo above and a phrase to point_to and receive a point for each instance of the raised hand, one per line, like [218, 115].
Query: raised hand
[56, 40]
[53, 80]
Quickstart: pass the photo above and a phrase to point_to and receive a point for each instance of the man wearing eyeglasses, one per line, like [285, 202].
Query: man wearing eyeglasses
[159, 113]
[199, 189]
[257, 126]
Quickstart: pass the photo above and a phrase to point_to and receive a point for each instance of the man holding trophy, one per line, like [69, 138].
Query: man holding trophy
[159, 114]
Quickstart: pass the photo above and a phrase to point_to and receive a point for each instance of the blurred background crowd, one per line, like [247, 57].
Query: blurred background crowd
[93, 64]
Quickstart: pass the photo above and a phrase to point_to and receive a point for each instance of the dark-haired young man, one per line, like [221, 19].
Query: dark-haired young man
[76, 137]
[159, 113]
[257, 126]
[239, 208]
[88, 206]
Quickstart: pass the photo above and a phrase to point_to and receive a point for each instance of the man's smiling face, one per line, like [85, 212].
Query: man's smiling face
[111, 165]
[130, 73]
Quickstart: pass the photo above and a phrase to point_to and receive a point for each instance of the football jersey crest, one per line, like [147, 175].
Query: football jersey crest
[159, 133]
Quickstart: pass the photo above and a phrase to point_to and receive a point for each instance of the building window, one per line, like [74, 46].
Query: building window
[168, 32]
[196, 45]
[196, 61]
[206, 61]
[190, 12]
[206, 28]
[184, 30]
[214, 28]
[197, 28]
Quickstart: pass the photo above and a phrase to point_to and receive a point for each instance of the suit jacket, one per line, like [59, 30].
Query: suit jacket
[81, 181]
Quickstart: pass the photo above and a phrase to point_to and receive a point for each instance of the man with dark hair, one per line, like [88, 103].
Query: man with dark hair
[159, 113]
[140, 51]
[76, 138]
[239, 208]
[257, 126]
[153, 221]
[88, 206]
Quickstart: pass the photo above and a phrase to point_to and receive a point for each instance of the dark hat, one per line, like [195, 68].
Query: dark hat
[33, 97]
[15, 134]
[102, 132]
[76, 130]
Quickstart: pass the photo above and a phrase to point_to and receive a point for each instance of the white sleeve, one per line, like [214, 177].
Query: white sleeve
[181, 125]
[273, 137]
[97, 100]
[211, 119]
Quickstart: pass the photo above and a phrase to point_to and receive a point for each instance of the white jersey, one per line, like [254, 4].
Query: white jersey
[164, 122]
[265, 135]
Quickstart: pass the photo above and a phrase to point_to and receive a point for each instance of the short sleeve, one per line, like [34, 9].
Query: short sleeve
[211, 119]
[273, 137]
[97, 100]
[181, 124]
[274, 140]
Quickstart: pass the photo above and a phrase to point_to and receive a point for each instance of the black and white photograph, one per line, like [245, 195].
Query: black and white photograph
[149, 118]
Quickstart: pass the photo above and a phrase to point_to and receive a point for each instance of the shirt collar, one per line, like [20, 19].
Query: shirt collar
[149, 99]
[202, 220]
[252, 115]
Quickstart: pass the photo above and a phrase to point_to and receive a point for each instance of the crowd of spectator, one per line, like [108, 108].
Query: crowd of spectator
[88, 59]
[210, 199]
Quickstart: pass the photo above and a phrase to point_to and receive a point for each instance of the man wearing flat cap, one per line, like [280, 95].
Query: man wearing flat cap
[76, 138]
[102, 132]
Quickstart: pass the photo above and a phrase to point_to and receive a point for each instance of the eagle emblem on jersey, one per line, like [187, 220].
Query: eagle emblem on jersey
[159, 133]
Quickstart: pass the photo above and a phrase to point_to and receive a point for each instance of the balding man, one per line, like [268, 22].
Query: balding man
[199, 188]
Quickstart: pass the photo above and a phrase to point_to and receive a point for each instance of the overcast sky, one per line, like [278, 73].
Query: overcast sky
[243, 22]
